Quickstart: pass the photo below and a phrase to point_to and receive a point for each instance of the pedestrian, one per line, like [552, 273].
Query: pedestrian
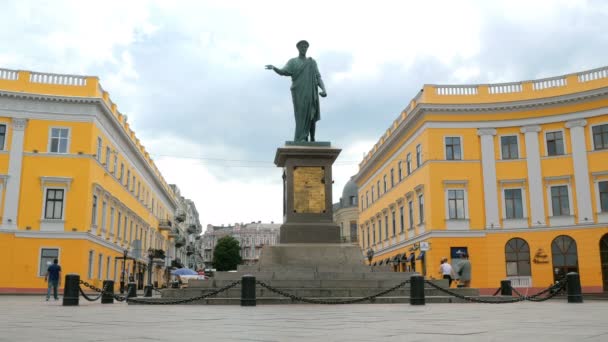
[445, 269]
[52, 276]
[463, 270]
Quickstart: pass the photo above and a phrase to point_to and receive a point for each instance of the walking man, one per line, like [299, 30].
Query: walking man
[52, 276]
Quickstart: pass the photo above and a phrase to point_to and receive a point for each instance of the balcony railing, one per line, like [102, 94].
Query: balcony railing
[164, 225]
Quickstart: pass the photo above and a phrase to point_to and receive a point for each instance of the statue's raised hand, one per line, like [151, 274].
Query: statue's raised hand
[323, 94]
[269, 67]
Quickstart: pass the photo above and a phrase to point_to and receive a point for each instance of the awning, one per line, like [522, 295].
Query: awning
[380, 262]
[387, 261]
[411, 257]
[398, 257]
[420, 256]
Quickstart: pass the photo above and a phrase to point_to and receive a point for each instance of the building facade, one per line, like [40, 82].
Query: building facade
[76, 185]
[252, 237]
[186, 232]
[346, 212]
[515, 175]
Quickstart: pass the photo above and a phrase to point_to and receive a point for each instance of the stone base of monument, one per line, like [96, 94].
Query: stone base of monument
[331, 272]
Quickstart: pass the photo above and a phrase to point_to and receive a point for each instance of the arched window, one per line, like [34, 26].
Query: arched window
[565, 258]
[517, 256]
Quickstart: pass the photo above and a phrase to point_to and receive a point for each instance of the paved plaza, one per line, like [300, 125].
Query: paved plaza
[30, 318]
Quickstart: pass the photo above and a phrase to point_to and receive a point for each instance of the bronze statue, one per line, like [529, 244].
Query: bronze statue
[305, 78]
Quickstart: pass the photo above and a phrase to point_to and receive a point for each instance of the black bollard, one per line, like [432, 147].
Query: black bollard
[574, 288]
[248, 291]
[417, 290]
[148, 291]
[71, 290]
[107, 297]
[505, 288]
[132, 290]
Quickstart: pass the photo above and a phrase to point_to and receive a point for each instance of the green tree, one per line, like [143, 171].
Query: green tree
[226, 254]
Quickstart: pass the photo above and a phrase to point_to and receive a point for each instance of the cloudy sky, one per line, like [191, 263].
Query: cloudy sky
[190, 74]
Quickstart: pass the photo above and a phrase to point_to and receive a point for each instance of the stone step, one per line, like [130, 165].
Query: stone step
[311, 292]
[284, 300]
[329, 283]
[291, 274]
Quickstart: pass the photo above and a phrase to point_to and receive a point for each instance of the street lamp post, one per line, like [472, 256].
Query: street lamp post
[124, 264]
[148, 288]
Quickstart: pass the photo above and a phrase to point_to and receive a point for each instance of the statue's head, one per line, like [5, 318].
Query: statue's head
[302, 46]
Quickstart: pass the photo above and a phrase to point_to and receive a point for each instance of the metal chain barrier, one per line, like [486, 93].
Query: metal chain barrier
[102, 291]
[554, 290]
[497, 291]
[557, 288]
[183, 301]
[96, 289]
[317, 301]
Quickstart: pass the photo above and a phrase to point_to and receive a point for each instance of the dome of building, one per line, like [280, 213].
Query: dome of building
[349, 194]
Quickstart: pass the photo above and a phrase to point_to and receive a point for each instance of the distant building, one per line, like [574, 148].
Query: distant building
[251, 237]
[346, 212]
[186, 232]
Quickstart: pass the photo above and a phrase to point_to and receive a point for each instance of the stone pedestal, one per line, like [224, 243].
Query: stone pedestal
[307, 193]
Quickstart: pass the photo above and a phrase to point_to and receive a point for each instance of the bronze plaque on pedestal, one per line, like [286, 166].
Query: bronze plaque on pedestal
[309, 189]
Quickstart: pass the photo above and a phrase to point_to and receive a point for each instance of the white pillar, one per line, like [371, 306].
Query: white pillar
[488, 164]
[581, 170]
[535, 181]
[13, 184]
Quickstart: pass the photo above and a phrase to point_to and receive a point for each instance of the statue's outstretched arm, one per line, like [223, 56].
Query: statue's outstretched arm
[277, 70]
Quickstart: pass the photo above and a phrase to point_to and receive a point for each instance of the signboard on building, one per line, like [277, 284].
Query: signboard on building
[424, 246]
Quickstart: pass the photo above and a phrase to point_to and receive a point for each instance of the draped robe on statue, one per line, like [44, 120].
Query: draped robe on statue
[305, 80]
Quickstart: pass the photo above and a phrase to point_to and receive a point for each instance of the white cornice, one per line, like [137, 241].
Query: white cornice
[108, 115]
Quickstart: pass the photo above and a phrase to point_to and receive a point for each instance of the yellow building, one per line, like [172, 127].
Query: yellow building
[76, 184]
[514, 174]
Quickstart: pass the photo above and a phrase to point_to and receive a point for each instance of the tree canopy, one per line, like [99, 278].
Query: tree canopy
[226, 254]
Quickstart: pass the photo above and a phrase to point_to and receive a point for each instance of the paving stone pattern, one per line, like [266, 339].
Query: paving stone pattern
[30, 318]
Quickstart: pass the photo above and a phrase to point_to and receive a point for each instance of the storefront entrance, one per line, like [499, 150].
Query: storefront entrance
[565, 256]
[604, 260]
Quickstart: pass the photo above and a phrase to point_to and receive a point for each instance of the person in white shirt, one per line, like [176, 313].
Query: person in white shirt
[445, 269]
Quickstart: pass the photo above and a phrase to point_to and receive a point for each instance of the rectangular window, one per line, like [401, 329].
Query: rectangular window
[368, 240]
[59, 140]
[380, 230]
[401, 219]
[99, 266]
[399, 171]
[559, 200]
[408, 164]
[555, 143]
[372, 194]
[53, 209]
[2, 136]
[115, 269]
[122, 172]
[118, 225]
[418, 155]
[94, 211]
[107, 267]
[378, 188]
[513, 204]
[47, 255]
[386, 226]
[124, 230]
[115, 166]
[394, 225]
[99, 146]
[104, 206]
[108, 157]
[420, 209]
[91, 257]
[452, 148]
[131, 231]
[138, 188]
[410, 207]
[456, 204]
[384, 181]
[112, 221]
[509, 147]
[392, 178]
[600, 137]
[603, 187]
[367, 199]
[133, 184]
